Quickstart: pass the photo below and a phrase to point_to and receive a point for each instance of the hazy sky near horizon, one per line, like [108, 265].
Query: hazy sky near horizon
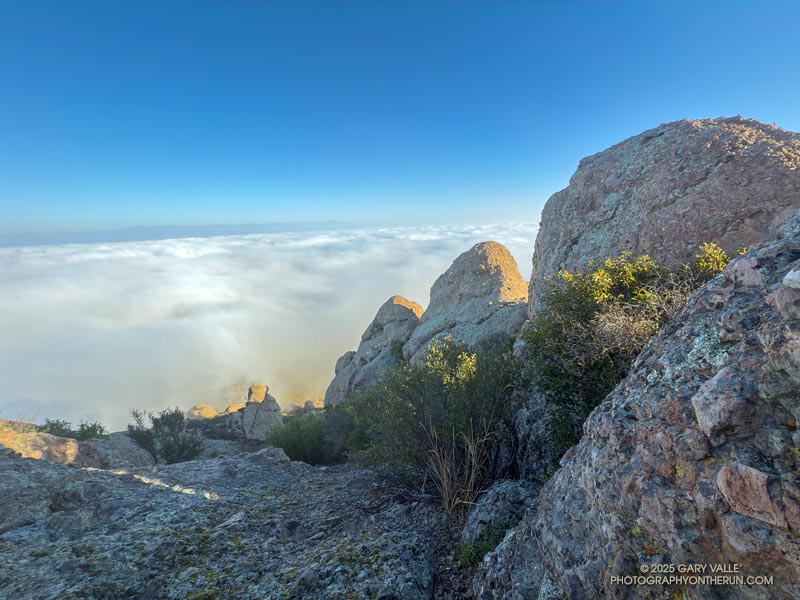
[90, 331]
[145, 112]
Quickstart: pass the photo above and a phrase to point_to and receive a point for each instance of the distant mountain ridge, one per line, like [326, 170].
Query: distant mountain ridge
[160, 232]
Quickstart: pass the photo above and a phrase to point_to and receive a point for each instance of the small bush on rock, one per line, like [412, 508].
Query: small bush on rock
[87, 430]
[470, 554]
[593, 324]
[166, 439]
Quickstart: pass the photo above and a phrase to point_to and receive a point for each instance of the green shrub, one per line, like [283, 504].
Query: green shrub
[442, 424]
[87, 430]
[317, 438]
[470, 554]
[166, 438]
[57, 427]
[593, 324]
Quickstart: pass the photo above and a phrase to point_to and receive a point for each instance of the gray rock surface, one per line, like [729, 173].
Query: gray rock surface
[499, 509]
[694, 458]
[250, 526]
[516, 571]
[669, 189]
[482, 294]
[358, 370]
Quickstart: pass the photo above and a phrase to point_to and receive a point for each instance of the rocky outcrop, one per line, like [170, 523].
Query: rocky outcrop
[482, 294]
[389, 330]
[669, 189]
[245, 526]
[202, 411]
[249, 421]
[115, 450]
[257, 393]
[693, 459]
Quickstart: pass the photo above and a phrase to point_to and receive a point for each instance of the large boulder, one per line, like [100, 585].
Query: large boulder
[693, 459]
[389, 330]
[669, 189]
[481, 295]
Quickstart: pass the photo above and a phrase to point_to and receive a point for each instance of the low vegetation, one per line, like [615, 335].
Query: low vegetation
[317, 438]
[445, 425]
[166, 438]
[86, 430]
[469, 555]
[593, 324]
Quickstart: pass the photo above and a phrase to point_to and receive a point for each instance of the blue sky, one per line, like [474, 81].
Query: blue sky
[114, 114]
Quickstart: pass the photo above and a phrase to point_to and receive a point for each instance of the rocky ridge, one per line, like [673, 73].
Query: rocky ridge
[692, 459]
[669, 189]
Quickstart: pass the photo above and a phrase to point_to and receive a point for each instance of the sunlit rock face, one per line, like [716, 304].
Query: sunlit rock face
[691, 459]
[251, 420]
[482, 294]
[669, 189]
[387, 333]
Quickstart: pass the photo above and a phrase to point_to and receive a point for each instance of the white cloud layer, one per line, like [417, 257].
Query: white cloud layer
[90, 331]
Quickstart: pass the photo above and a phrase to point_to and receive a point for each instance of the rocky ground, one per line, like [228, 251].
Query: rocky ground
[240, 526]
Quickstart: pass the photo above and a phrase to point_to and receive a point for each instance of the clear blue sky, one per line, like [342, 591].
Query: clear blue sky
[119, 113]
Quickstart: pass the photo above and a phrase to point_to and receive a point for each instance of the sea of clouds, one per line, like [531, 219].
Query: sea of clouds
[88, 331]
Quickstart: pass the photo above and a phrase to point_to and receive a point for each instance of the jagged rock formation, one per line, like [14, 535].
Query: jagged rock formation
[257, 392]
[249, 421]
[480, 295]
[669, 189]
[358, 370]
[694, 458]
[250, 526]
